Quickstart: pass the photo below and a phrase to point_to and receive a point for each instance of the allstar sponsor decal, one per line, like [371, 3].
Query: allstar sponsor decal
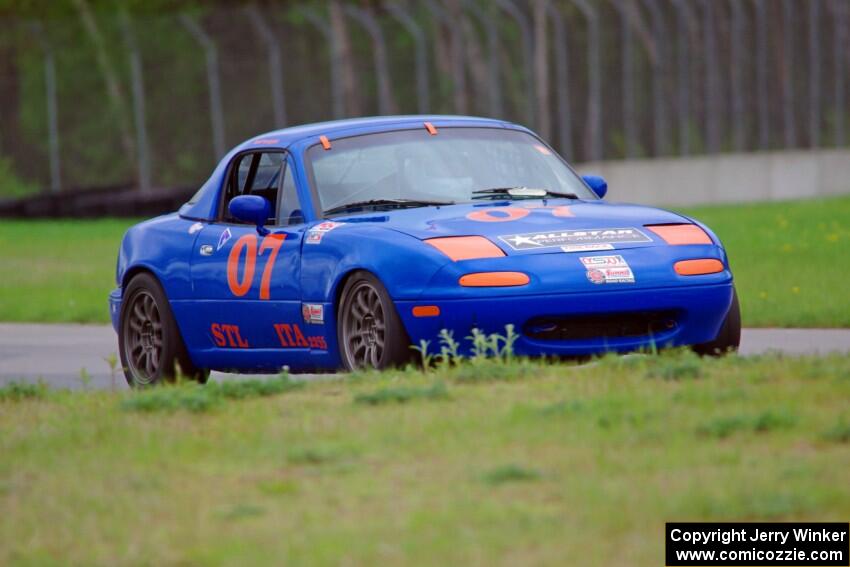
[195, 228]
[222, 240]
[313, 313]
[586, 247]
[607, 269]
[317, 233]
[534, 240]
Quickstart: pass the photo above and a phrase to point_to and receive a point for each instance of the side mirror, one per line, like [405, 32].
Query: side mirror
[597, 183]
[251, 209]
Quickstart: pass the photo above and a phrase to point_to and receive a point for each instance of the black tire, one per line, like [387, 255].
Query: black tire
[149, 341]
[729, 337]
[369, 330]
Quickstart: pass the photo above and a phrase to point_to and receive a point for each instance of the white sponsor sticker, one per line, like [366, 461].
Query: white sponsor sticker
[586, 247]
[313, 313]
[315, 234]
[196, 228]
[222, 240]
[607, 269]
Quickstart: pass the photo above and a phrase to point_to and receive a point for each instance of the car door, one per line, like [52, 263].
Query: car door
[247, 298]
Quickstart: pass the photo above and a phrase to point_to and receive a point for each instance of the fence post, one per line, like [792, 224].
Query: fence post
[562, 88]
[594, 82]
[788, 70]
[276, 77]
[736, 63]
[839, 38]
[528, 54]
[415, 31]
[386, 103]
[659, 75]
[139, 115]
[814, 74]
[713, 111]
[494, 85]
[628, 70]
[684, 19]
[761, 74]
[213, 81]
[455, 54]
[337, 102]
[52, 107]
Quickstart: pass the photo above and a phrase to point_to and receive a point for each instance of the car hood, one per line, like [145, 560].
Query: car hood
[532, 227]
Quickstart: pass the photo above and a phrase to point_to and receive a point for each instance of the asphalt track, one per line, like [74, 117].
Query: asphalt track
[61, 355]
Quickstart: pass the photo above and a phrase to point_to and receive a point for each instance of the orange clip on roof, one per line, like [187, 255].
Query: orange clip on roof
[325, 142]
[430, 128]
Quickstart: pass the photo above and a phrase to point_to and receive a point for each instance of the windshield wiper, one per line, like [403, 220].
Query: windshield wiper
[382, 203]
[519, 193]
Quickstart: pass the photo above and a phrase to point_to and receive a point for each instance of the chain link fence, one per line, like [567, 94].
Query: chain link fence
[94, 97]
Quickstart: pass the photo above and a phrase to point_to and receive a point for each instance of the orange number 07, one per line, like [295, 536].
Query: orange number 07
[241, 286]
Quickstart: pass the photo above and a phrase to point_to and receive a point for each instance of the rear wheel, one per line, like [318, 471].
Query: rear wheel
[729, 337]
[369, 330]
[149, 341]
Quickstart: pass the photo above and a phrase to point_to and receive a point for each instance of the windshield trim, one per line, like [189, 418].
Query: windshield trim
[311, 179]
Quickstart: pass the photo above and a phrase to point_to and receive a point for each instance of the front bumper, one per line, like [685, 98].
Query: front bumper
[115, 307]
[699, 312]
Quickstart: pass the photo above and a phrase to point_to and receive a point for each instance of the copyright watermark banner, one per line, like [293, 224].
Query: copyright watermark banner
[819, 543]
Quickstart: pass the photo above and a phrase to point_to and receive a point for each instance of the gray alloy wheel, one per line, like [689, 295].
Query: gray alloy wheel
[364, 327]
[143, 342]
[370, 332]
[149, 341]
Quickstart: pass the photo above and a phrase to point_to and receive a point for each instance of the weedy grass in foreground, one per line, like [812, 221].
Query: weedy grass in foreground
[768, 420]
[569, 461]
[510, 473]
[840, 432]
[402, 394]
[198, 398]
[17, 391]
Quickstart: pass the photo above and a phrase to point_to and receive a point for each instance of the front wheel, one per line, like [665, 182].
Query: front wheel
[369, 330]
[149, 342]
[729, 337]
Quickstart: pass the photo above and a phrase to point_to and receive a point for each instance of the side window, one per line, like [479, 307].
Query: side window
[290, 206]
[255, 174]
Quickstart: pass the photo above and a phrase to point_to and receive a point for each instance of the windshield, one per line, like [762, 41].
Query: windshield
[446, 168]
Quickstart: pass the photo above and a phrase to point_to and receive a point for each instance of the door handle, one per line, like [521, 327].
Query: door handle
[206, 250]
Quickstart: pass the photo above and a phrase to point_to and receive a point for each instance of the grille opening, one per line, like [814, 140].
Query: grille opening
[605, 326]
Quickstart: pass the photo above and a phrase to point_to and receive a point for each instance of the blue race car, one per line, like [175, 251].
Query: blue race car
[338, 245]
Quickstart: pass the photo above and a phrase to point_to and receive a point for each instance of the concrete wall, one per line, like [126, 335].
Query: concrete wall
[726, 178]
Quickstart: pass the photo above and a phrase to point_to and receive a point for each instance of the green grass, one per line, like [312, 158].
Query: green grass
[58, 271]
[566, 462]
[790, 262]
